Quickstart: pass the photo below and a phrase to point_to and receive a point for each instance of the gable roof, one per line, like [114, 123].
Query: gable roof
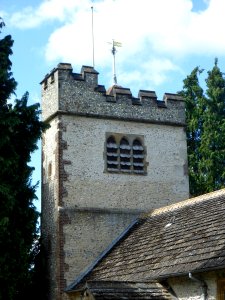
[185, 237]
[80, 279]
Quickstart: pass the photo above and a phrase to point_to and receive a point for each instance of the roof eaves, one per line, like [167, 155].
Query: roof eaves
[184, 203]
[101, 256]
[159, 278]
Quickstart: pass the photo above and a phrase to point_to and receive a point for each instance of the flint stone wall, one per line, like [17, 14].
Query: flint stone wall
[84, 207]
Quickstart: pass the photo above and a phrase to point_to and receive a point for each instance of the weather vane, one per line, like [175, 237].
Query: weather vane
[114, 45]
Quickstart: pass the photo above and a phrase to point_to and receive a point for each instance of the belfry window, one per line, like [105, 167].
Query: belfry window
[125, 154]
[112, 154]
[138, 157]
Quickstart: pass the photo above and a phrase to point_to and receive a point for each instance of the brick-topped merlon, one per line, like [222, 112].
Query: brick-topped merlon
[65, 92]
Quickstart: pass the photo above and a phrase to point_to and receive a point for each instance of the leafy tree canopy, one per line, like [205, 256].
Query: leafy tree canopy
[20, 130]
[205, 116]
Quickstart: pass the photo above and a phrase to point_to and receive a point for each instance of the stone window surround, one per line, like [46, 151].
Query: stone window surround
[118, 137]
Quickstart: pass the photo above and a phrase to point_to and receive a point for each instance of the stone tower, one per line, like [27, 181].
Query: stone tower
[107, 157]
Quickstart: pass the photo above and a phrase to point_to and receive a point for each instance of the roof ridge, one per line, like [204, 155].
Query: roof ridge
[184, 203]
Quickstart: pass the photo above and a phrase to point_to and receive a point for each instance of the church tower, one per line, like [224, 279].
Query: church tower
[106, 158]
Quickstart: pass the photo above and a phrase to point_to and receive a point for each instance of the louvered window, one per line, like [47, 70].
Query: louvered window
[125, 154]
[138, 157]
[112, 154]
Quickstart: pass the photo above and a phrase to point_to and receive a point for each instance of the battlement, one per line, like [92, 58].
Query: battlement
[66, 92]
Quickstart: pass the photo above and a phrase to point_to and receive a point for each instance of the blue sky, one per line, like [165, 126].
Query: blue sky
[162, 41]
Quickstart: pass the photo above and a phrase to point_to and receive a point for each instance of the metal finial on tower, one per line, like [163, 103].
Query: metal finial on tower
[114, 45]
[92, 33]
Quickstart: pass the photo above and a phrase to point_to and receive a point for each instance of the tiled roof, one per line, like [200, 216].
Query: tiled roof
[185, 237]
[107, 290]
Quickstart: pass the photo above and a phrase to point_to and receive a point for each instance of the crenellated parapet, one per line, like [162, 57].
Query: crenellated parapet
[65, 92]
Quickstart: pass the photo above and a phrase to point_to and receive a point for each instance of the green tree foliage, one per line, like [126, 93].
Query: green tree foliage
[205, 115]
[20, 128]
[7, 82]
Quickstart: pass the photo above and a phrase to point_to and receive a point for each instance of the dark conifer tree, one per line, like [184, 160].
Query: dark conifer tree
[20, 129]
[213, 131]
[205, 116]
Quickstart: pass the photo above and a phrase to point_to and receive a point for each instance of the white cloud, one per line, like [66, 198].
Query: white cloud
[149, 74]
[48, 10]
[154, 33]
[163, 27]
[168, 26]
[159, 69]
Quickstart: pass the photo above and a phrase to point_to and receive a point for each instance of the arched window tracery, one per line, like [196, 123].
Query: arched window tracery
[125, 154]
